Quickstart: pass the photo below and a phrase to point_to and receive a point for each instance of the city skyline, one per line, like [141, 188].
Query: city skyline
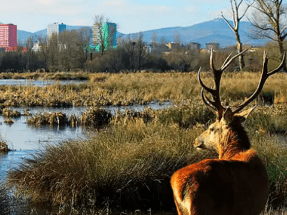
[130, 16]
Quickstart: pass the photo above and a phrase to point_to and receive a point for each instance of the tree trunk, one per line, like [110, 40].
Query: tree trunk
[240, 49]
[281, 49]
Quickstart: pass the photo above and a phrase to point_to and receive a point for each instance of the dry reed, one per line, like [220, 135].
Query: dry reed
[129, 163]
[139, 88]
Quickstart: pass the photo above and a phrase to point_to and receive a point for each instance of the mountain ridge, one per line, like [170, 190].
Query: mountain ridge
[210, 31]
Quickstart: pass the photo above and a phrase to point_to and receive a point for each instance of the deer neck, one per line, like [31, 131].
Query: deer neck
[234, 140]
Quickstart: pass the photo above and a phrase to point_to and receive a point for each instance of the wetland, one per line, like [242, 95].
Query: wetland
[125, 163]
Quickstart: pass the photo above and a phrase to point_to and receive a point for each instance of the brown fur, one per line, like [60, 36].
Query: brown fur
[234, 184]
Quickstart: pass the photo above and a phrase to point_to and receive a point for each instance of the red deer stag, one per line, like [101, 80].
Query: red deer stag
[236, 183]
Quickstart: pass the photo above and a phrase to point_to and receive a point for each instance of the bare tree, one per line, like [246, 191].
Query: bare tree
[269, 21]
[29, 45]
[71, 54]
[53, 52]
[136, 51]
[176, 38]
[141, 51]
[163, 40]
[154, 39]
[43, 49]
[235, 7]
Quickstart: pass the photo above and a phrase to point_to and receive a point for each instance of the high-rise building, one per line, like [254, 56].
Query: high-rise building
[105, 31]
[113, 33]
[55, 28]
[8, 36]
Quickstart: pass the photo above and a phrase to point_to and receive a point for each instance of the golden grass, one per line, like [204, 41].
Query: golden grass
[129, 163]
[140, 88]
[92, 117]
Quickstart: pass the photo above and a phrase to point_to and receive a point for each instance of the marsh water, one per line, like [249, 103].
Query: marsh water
[40, 83]
[26, 140]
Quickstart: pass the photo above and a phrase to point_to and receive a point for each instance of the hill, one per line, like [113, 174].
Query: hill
[211, 31]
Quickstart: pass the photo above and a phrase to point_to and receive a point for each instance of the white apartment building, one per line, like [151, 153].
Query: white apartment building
[55, 28]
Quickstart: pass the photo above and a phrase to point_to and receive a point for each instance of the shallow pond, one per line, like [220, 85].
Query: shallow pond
[39, 83]
[26, 140]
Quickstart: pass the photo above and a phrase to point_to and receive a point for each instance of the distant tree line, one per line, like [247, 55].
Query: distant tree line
[66, 52]
[60, 52]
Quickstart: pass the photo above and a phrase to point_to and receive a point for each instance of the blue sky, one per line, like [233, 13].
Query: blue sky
[130, 15]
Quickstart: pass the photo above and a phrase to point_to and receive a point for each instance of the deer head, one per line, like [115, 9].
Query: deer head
[226, 135]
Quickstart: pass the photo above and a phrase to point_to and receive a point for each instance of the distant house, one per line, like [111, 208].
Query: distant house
[173, 45]
[214, 46]
[194, 46]
[156, 48]
[36, 47]
[149, 48]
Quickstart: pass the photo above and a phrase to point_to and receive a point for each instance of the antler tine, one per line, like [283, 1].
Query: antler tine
[211, 61]
[207, 102]
[280, 66]
[216, 105]
[226, 60]
[229, 59]
[264, 76]
[214, 92]
[203, 85]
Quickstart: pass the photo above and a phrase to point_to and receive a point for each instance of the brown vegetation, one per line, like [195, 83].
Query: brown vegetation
[4, 147]
[140, 88]
[92, 117]
[129, 162]
[133, 159]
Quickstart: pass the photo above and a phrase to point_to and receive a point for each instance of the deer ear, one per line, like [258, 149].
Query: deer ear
[228, 115]
[244, 114]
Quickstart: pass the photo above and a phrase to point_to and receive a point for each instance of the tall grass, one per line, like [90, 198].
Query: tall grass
[140, 88]
[4, 200]
[129, 163]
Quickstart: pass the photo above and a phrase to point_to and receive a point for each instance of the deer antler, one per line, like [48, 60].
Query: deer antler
[264, 76]
[215, 105]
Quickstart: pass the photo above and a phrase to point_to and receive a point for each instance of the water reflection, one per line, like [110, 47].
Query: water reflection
[20, 136]
[39, 83]
[12, 160]
[79, 110]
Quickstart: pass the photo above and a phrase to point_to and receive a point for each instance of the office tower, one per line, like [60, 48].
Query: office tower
[8, 36]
